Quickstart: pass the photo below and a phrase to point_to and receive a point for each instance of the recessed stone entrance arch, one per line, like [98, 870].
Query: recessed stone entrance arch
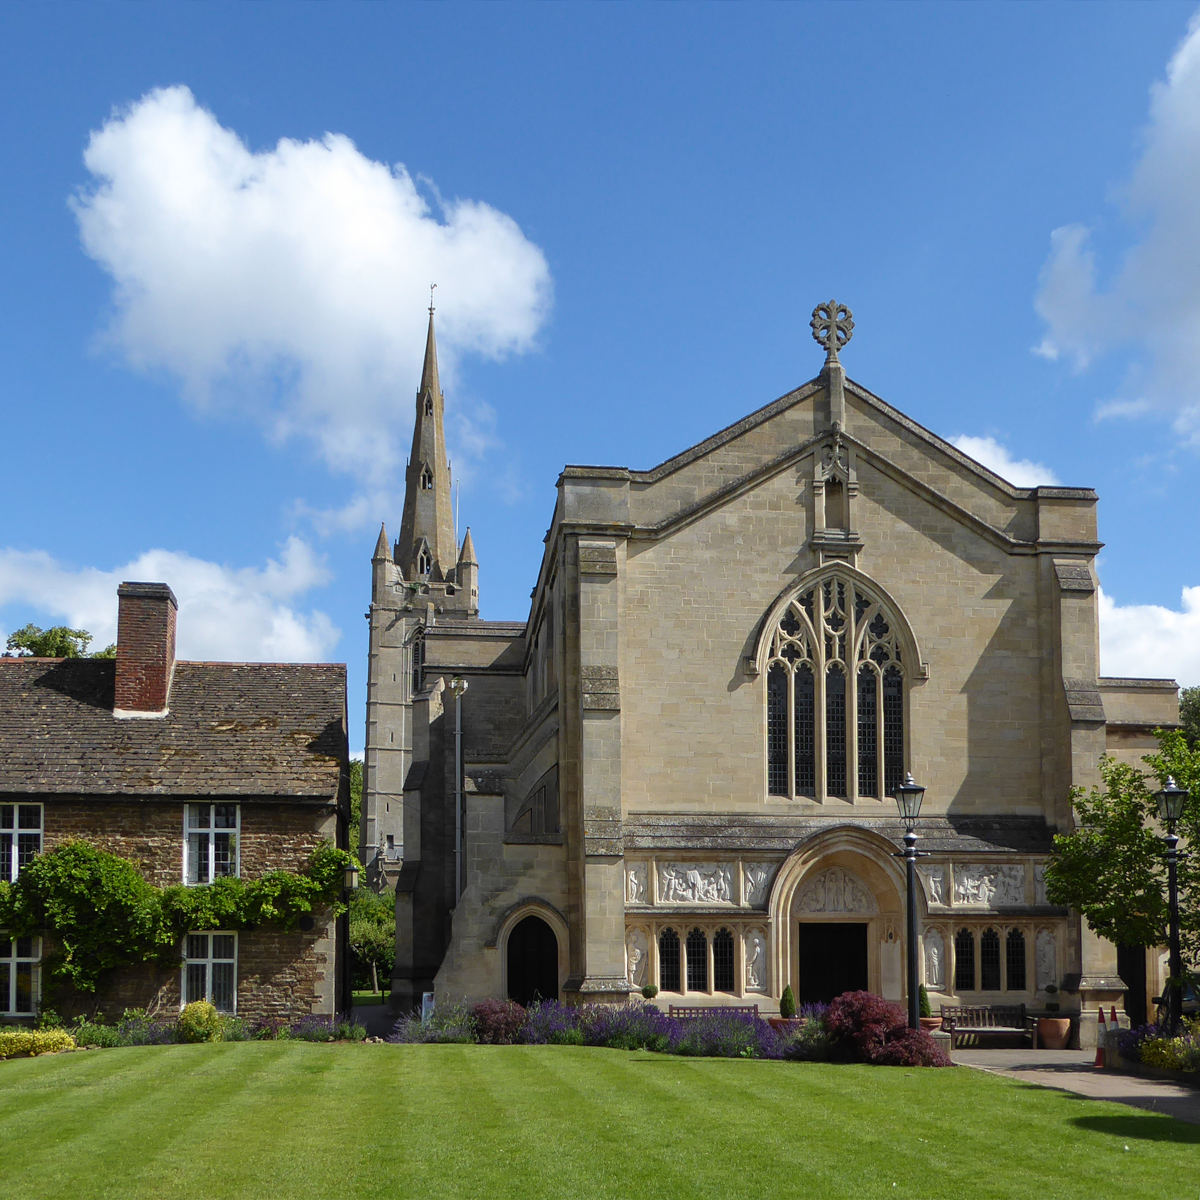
[837, 917]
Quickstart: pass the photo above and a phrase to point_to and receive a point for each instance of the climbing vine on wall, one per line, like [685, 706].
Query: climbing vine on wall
[103, 914]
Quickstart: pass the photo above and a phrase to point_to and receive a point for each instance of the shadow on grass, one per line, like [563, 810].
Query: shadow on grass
[1142, 1126]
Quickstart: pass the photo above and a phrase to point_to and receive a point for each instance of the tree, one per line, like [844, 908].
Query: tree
[372, 936]
[57, 642]
[1189, 715]
[1112, 868]
[356, 787]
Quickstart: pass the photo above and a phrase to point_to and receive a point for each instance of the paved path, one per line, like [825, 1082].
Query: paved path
[1073, 1071]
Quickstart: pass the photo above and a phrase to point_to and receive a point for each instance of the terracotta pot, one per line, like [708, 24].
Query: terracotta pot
[929, 1024]
[1053, 1033]
[784, 1025]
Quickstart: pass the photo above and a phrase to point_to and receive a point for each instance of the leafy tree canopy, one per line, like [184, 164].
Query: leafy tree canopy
[1112, 868]
[1189, 715]
[56, 642]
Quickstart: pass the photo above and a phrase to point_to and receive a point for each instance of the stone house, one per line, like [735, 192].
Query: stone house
[194, 771]
[678, 769]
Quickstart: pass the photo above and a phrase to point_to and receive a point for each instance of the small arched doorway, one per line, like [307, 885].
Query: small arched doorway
[532, 960]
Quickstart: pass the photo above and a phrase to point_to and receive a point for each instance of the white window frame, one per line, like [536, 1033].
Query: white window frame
[207, 960]
[206, 870]
[12, 829]
[13, 959]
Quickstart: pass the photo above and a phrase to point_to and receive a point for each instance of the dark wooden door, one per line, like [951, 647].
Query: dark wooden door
[532, 962]
[831, 959]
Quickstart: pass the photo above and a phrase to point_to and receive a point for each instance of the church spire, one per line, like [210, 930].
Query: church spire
[427, 544]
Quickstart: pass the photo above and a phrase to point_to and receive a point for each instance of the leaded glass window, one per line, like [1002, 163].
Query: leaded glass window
[20, 838]
[1015, 961]
[668, 961]
[989, 961]
[723, 961]
[210, 846]
[835, 696]
[697, 961]
[210, 969]
[19, 958]
[964, 961]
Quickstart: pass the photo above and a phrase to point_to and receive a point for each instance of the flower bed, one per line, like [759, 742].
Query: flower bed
[1150, 1046]
[198, 1022]
[857, 1027]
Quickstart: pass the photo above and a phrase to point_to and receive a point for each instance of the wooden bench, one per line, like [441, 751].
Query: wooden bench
[970, 1024]
[689, 1012]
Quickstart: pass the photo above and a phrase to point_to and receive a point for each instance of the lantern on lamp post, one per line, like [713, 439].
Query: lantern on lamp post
[1170, 800]
[909, 795]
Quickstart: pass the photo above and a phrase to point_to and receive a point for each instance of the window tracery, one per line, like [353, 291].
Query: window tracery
[835, 695]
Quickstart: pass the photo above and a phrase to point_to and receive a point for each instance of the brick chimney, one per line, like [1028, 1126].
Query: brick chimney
[145, 649]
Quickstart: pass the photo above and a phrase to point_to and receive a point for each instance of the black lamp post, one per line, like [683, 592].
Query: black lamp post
[908, 800]
[1171, 800]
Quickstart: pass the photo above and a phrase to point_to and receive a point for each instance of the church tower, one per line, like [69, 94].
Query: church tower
[421, 580]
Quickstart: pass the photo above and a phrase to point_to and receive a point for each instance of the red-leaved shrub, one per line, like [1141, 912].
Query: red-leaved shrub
[497, 1021]
[910, 1048]
[876, 1030]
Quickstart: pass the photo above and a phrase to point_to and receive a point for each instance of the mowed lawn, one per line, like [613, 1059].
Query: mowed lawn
[291, 1119]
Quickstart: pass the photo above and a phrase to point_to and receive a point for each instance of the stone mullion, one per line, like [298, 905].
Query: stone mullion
[790, 675]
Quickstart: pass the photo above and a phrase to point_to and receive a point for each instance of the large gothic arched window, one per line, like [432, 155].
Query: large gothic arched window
[835, 695]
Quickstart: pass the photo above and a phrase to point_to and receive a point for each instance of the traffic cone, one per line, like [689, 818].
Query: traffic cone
[1113, 1020]
[1101, 1033]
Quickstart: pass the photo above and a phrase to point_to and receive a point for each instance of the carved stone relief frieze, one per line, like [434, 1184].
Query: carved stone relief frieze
[836, 891]
[756, 879]
[636, 947]
[756, 961]
[1039, 884]
[695, 883]
[935, 883]
[935, 960]
[635, 884]
[979, 885]
[1046, 959]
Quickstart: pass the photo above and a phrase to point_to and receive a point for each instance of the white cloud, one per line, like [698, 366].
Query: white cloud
[1020, 472]
[290, 284]
[240, 614]
[1139, 640]
[1149, 303]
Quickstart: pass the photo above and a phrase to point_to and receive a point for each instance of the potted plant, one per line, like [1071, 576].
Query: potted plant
[650, 991]
[928, 1021]
[1053, 1032]
[787, 1019]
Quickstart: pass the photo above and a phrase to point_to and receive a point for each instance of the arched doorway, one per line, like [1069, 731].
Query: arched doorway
[532, 960]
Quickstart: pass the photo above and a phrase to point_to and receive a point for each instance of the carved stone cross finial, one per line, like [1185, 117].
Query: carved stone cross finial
[832, 327]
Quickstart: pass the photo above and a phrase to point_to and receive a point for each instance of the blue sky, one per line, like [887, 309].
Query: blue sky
[220, 222]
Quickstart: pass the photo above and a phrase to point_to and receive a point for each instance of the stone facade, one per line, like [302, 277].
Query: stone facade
[729, 661]
[257, 749]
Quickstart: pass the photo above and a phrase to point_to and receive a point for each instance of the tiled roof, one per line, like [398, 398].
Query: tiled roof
[246, 729]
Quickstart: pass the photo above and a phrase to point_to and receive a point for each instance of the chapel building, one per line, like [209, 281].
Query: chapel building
[679, 768]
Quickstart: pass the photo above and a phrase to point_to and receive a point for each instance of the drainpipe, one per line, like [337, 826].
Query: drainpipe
[458, 685]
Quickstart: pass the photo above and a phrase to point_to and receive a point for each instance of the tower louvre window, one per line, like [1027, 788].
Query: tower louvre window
[838, 730]
[426, 479]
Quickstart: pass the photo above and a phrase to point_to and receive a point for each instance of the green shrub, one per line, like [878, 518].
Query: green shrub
[923, 1002]
[97, 1034]
[787, 1003]
[200, 1022]
[650, 991]
[24, 1043]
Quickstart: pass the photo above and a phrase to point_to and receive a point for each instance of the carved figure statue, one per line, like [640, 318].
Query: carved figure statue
[695, 883]
[935, 956]
[1039, 884]
[835, 891]
[1046, 959]
[756, 949]
[636, 883]
[635, 949]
